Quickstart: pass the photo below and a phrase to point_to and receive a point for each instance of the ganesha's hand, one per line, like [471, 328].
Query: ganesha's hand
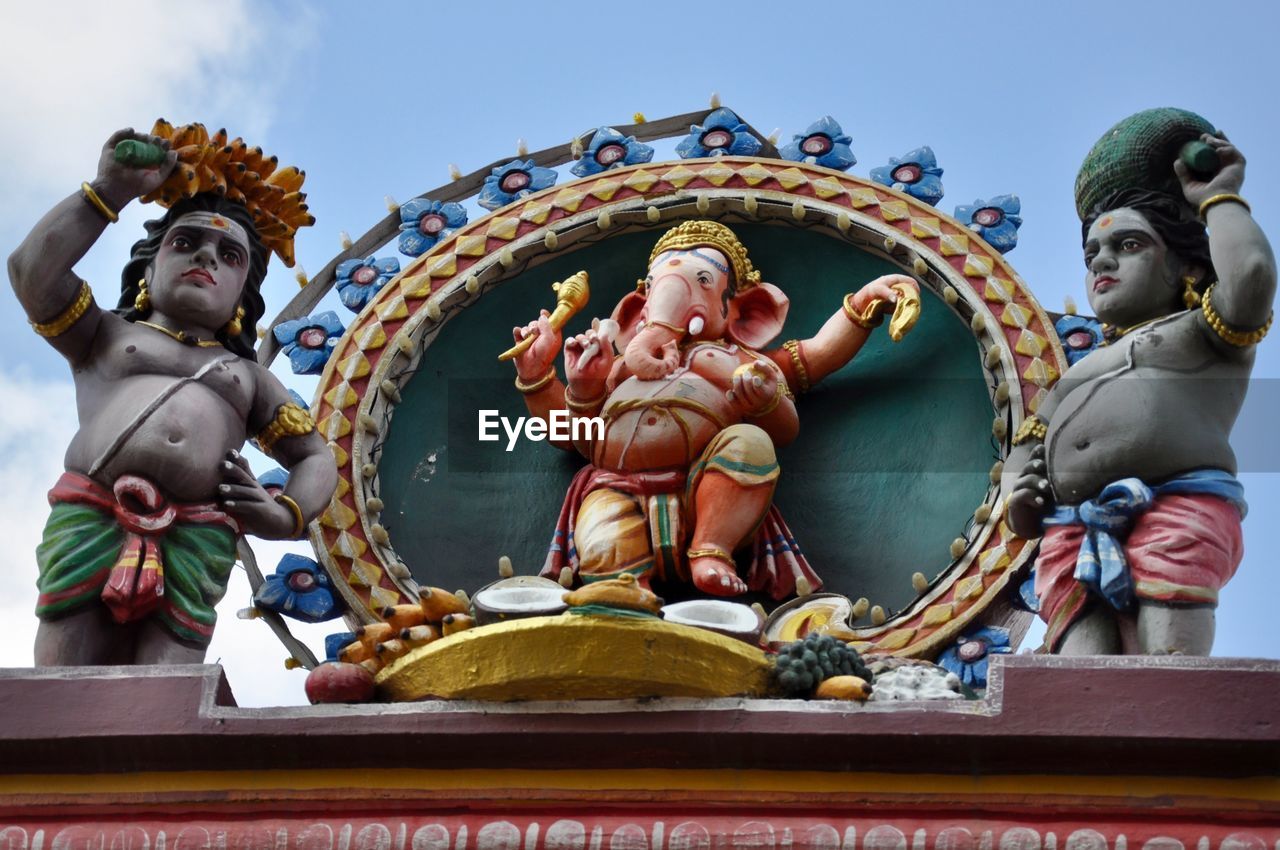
[248, 501]
[756, 389]
[1032, 498]
[1228, 179]
[536, 360]
[588, 359]
[118, 184]
[869, 303]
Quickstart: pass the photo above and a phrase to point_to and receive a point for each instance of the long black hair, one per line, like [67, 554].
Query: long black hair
[145, 250]
[1171, 217]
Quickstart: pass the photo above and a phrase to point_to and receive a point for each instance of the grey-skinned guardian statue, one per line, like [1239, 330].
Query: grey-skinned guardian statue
[1126, 467]
[141, 537]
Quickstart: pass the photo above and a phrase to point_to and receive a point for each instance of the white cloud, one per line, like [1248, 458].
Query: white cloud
[74, 72]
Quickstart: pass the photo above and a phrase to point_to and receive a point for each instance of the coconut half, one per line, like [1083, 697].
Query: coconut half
[516, 598]
[731, 619]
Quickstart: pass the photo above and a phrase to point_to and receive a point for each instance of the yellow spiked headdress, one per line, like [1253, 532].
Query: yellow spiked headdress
[711, 234]
[242, 174]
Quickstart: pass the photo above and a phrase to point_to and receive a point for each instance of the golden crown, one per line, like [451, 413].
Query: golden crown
[711, 234]
[242, 174]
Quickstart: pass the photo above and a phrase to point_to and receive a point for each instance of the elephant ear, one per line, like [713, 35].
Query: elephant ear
[627, 315]
[757, 315]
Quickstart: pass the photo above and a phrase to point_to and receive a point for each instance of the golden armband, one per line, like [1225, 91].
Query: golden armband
[1229, 335]
[62, 322]
[291, 420]
[792, 347]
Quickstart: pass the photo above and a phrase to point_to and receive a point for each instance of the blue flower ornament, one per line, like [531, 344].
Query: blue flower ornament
[610, 149]
[424, 222]
[300, 589]
[721, 133]
[513, 181]
[970, 658]
[915, 172]
[996, 220]
[823, 143]
[309, 341]
[359, 280]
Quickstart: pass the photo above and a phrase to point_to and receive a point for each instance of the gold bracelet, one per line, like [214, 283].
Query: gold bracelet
[584, 406]
[291, 420]
[98, 204]
[1240, 339]
[299, 521]
[62, 323]
[792, 347]
[858, 319]
[1224, 198]
[712, 552]
[1032, 427]
[530, 389]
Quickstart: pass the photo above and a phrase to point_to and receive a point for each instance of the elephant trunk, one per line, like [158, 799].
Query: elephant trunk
[653, 353]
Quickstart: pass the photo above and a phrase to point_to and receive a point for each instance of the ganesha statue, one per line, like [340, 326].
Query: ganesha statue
[694, 409]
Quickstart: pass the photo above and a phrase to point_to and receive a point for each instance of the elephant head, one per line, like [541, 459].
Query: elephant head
[700, 286]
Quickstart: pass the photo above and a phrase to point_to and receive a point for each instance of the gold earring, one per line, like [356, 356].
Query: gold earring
[234, 326]
[142, 301]
[1190, 297]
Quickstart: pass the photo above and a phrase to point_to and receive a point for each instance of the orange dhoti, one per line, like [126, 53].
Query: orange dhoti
[642, 522]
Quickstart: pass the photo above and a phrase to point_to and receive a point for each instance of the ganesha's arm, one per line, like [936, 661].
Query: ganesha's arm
[805, 362]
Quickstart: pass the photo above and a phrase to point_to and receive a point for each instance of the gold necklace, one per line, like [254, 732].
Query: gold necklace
[1117, 335]
[180, 336]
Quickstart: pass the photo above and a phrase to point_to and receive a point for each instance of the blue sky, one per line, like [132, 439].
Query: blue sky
[378, 99]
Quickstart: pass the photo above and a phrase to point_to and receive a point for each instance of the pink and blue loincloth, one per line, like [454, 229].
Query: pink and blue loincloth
[1177, 543]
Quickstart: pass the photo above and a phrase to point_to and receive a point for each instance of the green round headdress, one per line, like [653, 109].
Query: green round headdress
[1137, 153]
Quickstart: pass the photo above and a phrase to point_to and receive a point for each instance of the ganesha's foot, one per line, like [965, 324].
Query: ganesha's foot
[714, 572]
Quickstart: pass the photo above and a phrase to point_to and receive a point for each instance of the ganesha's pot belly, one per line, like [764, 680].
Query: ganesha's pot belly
[663, 424]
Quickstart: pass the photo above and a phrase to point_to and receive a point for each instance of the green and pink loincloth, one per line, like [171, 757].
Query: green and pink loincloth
[139, 554]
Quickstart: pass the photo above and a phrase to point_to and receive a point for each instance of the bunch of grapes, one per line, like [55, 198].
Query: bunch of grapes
[800, 666]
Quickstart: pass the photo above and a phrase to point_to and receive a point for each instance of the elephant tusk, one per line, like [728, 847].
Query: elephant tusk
[696, 324]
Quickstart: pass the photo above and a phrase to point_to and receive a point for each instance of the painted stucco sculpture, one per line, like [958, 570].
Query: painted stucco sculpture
[143, 529]
[1126, 466]
[693, 410]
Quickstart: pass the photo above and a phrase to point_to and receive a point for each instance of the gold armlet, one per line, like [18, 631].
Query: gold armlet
[291, 420]
[62, 323]
[869, 319]
[299, 521]
[530, 389]
[1032, 428]
[584, 406]
[98, 204]
[1225, 198]
[712, 552]
[792, 347]
[1240, 339]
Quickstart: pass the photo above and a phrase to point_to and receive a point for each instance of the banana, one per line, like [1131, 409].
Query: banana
[289, 178]
[419, 635]
[390, 649]
[373, 665]
[402, 616]
[454, 623]
[843, 687]
[355, 652]
[437, 603]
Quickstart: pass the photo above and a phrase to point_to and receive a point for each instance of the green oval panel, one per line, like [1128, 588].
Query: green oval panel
[891, 460]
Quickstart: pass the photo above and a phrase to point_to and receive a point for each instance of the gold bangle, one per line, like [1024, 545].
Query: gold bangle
[530, 389]
[1240, 339]
[1224, 198]
[792, 347]
[299, 521]
[1032, 427]
[98, 204]
[291, 420]
[62, 323]
[712, 552]
[868, 322]
[583, 406]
